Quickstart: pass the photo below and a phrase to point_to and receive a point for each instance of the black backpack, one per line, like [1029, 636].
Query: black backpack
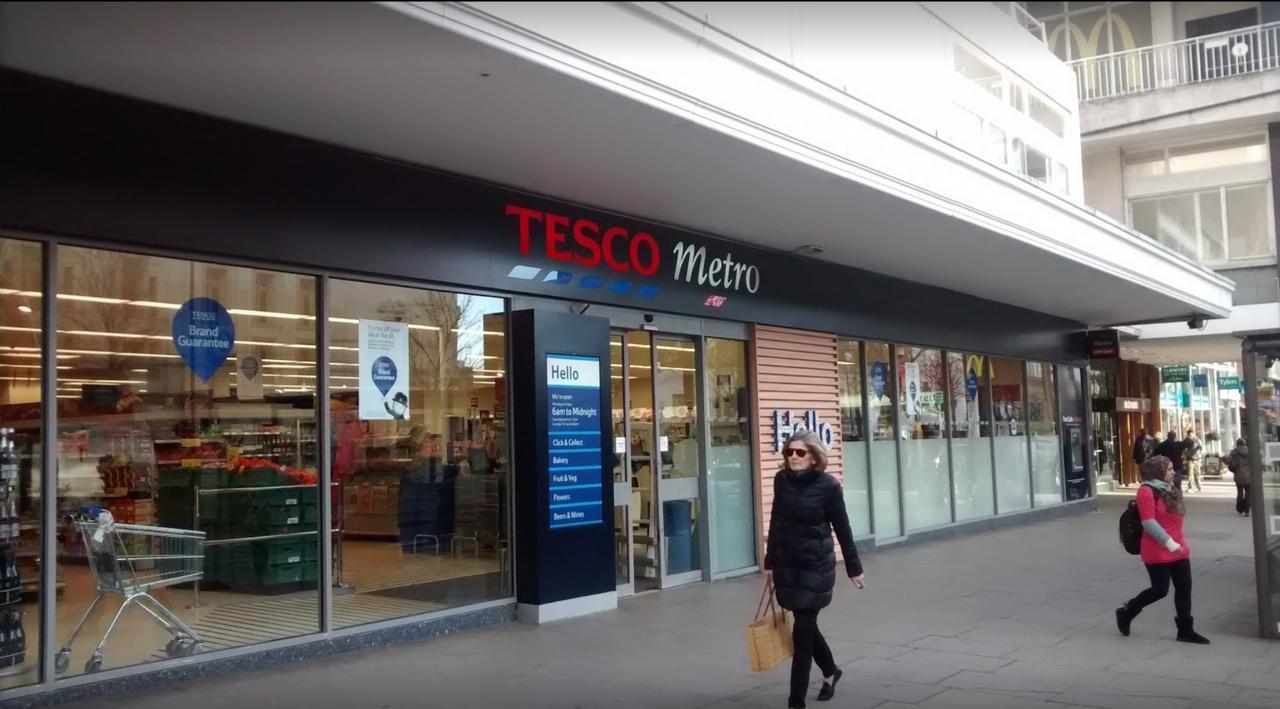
[1131, 528]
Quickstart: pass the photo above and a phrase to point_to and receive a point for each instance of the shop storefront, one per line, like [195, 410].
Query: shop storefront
[367, 397]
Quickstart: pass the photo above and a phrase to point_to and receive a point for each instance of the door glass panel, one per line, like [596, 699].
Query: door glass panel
[1013, 474]
[622, 511]
[676, 389]
[1266, 417]
[853, 437]
[622, 563]
[884, 448]
[641, 447]
[21, 498]
[729, 474]
[1046, 441]
[926, 476]
[971, 436]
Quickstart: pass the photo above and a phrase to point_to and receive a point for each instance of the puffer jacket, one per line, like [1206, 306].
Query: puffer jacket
[799, 550]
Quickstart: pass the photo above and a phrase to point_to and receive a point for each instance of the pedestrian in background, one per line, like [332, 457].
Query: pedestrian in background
[800, 558]
[1238, 464]
[1142, 446]
[1191, 454]
[1164, 550]
[1174, 449]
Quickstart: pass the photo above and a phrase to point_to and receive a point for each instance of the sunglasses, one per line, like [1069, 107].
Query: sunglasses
[796, 452]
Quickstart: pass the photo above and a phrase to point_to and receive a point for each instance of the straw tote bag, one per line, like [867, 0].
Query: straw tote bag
[769, 635]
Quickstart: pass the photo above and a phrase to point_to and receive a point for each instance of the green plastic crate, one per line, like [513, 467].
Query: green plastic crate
[282, 574]
[280, 551]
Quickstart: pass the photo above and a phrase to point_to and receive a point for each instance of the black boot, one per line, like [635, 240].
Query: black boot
[1187, 631]
[829, 688]
[1124, 617]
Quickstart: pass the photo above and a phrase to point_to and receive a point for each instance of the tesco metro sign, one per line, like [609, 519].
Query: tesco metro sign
[594, 245]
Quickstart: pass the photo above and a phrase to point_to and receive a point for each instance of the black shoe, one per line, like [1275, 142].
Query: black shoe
[829, 688]
[1187, 631]
[1124, 618]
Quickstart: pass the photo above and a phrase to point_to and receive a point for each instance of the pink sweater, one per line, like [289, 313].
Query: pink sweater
[1151, 506]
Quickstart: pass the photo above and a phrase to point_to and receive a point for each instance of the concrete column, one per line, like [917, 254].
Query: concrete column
[1162, 29]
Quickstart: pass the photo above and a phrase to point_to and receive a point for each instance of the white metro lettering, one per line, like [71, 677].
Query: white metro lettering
[721, 273]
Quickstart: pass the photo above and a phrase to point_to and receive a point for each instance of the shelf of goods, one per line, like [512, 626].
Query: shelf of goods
[261, 522]
[13, 642]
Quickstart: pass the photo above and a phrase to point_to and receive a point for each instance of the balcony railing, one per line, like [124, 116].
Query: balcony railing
[1188, 61]
[1023, 18]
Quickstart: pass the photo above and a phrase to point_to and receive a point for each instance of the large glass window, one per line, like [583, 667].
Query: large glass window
[729, 472]
[881, 396]
[195, 414]
[971, 458]
[978, 70]
[853, 434]
[1046, 441]
[420, 464]
[926, 476]
[1046, 114]
[21, 407]
[1195, 225]
[1013, 481]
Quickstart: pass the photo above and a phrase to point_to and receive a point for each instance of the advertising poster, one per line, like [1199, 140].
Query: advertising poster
[575, 471]
[911, 387]
[248, 377]
[203, 335]
[384, 370]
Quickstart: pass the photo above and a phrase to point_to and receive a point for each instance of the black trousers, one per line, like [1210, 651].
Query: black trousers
[1179, 572]
[1242, 498]
[810, 646]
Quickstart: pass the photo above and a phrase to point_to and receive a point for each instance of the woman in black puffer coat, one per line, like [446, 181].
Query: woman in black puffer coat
[800, 557]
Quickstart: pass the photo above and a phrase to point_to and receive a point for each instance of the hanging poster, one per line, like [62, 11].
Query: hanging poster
[911, 387]
[203, 335]
[879, 378]
[248, 377]
[384, 370]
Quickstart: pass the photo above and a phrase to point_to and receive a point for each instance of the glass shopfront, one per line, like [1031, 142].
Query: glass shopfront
[190, 485]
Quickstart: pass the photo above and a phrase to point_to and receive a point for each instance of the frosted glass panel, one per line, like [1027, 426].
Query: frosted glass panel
[972, 460]
[925, 482]
[884, 489]
[729, 474]
[1012, 482]
[856, 498]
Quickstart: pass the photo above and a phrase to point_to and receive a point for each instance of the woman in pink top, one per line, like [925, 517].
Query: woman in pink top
[1164, 550]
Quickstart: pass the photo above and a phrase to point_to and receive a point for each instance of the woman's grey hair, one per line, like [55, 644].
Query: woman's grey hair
[816, 451]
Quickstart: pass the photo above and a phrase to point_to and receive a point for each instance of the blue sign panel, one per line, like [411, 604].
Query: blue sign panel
[575, 473]
[972, 383]
[1200, 380]
[879, 377]
[203, 335]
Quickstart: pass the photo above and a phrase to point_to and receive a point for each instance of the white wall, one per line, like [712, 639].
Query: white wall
[1104, 183]
[898, 57]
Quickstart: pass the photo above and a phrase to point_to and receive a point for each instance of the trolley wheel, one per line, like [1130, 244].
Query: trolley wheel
[62, 661]
[182, 647]
[94, 664]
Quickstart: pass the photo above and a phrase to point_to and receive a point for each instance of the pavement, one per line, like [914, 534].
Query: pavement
[1015, 618]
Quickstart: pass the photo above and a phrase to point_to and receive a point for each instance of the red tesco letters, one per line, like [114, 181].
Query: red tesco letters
[621, 250]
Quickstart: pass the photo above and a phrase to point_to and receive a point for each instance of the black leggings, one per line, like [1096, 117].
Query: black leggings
[1242, 498]
[810, 646]
[1179, 572]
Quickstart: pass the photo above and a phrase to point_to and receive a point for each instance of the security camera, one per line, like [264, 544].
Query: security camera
[1197, 323]
[648, 317]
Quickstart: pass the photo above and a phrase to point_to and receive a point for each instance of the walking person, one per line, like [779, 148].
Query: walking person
[1175, 451]
[1238, 464]
[1142, 446]
[1191, 454]
[1164, 550]
[800, 558]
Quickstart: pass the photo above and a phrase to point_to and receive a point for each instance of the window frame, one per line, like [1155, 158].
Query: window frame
[1227, 260]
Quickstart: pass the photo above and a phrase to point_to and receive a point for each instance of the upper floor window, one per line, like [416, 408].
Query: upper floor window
[1075, 30]
[979, 71]
[1213, 226]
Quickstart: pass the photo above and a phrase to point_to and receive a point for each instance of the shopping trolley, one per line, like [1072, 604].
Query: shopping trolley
[130, 561]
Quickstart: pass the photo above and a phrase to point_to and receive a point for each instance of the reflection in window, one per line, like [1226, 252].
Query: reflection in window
[21, 408]
[881, 396]
[1012, 465]
[970, 435]
[1248, 227]
[853, 427]
[729, 477]
[925, 468]
[1046, 443]
[196, 414]
[978, 70]
[420, 481]
[1194, 224]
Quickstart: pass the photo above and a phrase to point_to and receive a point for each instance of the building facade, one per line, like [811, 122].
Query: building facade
[343, 374]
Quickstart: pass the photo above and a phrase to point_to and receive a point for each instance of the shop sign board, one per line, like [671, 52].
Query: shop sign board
[575, 471]
[1103, 344]
[1175, 375]
[1200, 380]
[203, 335]
[786, 424]
[1228, 383]
[384, 370]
